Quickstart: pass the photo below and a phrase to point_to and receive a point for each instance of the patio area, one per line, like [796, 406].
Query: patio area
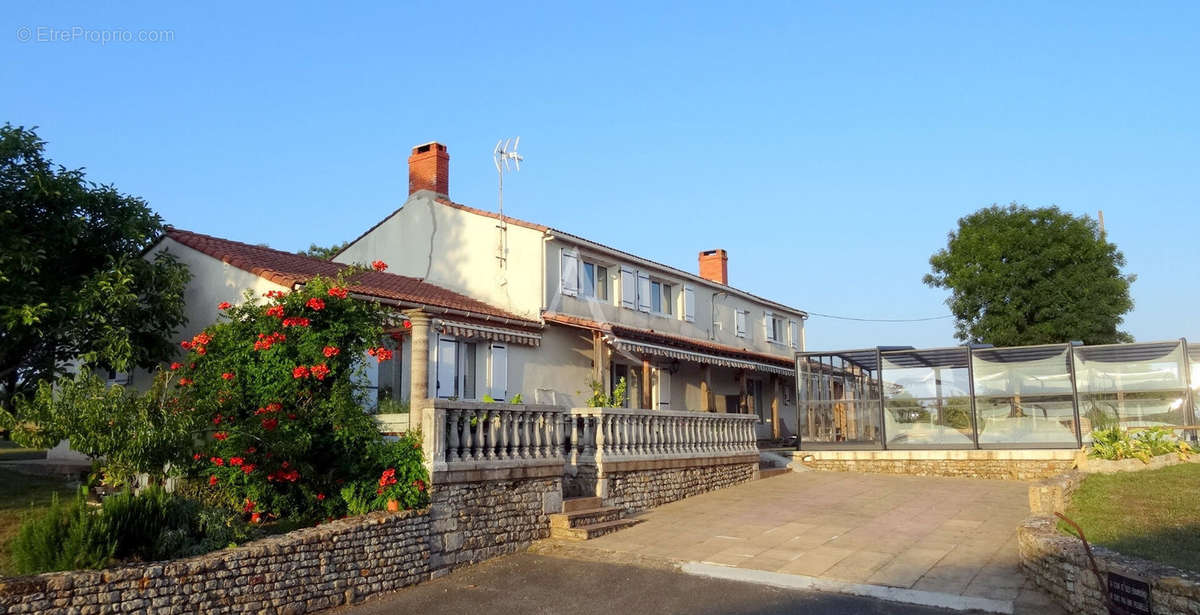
[946, 535]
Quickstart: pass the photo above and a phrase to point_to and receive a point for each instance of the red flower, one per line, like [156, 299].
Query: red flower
[275, 293]
[217, 461]
[300, 372]
[248, 505]
[184, 381]
[186, 345]
[316, 303]
[247, 468]
[274, 406]
[320, 371]
[197, 456]
[212, 480]
[201, 339]
[235, 461]
[175, 366]
[419, 484]
[382, 354]
[339, 292]
[276, 311]
[201, 350]
[217, 421]
[224, 305]
[227, 376]
[320, 496]
[220, 435]
[291, 417]
[255, 517]
[379, 266]
[251, 450]
[408, 324]
[331, 351]
[269, 424]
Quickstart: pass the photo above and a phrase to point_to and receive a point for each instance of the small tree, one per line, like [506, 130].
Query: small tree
[1021, 276]
[73, 281]
[324, 252]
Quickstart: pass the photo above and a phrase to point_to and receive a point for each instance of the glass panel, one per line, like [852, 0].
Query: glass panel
[927, 398]
[1023, 395]
[838, 400]
[587, 286]
[602, 283]
[1131, 385]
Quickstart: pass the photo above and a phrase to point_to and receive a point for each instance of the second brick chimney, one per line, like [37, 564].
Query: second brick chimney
[714, 265]
[429, 169]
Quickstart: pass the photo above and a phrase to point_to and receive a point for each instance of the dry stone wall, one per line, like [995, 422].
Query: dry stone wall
[475, 521]
[302, 571]
[638, 490]
[1004, 469]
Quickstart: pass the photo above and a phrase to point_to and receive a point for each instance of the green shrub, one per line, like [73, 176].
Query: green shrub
[1114, 444]
[67, 536]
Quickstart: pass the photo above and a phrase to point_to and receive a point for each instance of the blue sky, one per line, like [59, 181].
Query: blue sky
[828, 147]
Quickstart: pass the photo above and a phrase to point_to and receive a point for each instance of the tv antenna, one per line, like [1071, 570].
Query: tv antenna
[506, 159]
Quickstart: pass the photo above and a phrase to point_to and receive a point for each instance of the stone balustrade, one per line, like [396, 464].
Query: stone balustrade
[472, 440]
[598, 435]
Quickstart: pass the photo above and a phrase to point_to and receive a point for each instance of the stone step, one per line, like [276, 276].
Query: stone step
[769, 472]
[582, 518]
[574, 504]
[591, 531]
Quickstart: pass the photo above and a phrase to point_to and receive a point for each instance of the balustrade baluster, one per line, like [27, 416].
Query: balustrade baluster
[466, 434]
[452, 435]
[539, 449]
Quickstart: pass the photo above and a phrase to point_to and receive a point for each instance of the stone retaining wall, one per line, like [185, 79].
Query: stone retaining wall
[1058, 564]
[306, 570]
[312, 568]
[638, 486]
[994, 464]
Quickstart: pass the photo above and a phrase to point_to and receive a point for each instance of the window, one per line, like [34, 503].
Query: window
[122, 378]
[498, 376]
[689, 304]
[660, 297]
[772, 327]
[388, 374]
[593, 281]
[739, 322]
[455, 373]
[794, 330]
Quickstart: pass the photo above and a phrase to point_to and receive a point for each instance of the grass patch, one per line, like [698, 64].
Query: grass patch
[1154, 514]
[18, 493]
[11, 451]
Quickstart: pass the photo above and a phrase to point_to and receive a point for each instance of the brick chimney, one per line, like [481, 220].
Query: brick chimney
[714, 265]
[429, 169]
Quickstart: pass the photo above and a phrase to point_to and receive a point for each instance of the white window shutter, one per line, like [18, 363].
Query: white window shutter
[499, 375]
[794, 333]
[643, 293]
[628, 289]
[689, 304]
[769, 326]
[568, 281]
[663, 389]
[739, 323]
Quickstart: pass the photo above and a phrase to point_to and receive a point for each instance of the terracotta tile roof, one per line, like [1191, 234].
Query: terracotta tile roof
[289, 269]
[668, 339]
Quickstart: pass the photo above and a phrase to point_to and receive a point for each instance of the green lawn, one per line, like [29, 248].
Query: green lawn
[17, 493]
[1153, 514]
[10, 451]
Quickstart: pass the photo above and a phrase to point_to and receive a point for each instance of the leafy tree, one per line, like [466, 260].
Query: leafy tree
[323, 252]
[73, 281]
[1022, 276]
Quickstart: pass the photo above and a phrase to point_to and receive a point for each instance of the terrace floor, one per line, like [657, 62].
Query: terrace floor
[945, 535]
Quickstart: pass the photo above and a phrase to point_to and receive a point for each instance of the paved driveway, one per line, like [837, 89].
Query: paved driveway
[945, 535]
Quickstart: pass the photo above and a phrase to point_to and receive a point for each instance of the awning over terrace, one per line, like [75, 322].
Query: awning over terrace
[698, 357]
[495, 334]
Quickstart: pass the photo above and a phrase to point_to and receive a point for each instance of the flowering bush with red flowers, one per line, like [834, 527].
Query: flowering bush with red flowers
[284, 412]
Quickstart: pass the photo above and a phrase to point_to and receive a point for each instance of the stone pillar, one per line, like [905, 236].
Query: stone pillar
[706, 397]
[647, 398]
[776, 395]
[418, 388]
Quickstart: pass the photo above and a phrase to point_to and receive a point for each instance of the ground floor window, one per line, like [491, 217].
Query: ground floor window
[455, 372]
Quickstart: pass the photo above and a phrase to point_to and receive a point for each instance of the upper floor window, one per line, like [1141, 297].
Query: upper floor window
[661, 297]
[739, 322]
[794, 329]
[593, 281]
[773, 327]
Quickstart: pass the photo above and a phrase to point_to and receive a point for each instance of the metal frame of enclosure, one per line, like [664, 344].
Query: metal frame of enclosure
[1025, 397]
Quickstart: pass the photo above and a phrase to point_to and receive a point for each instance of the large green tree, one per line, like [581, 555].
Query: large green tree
[1020, 276]
[74, 283]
